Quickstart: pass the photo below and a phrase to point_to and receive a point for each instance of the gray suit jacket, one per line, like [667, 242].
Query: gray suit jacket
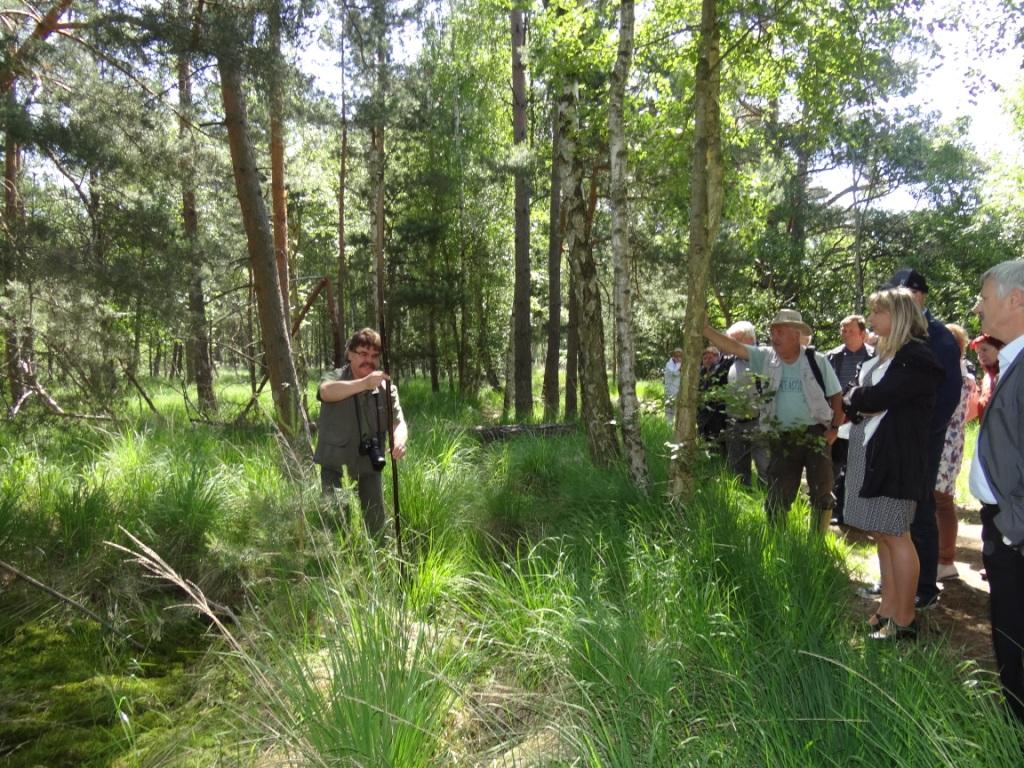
[1001, 448]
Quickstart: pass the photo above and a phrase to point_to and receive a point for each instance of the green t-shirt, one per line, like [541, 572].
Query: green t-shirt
[791, 409]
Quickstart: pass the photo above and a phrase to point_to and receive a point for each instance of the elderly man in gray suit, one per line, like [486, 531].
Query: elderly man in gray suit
[997, 475]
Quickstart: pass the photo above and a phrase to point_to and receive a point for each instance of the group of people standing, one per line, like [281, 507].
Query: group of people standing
[878, 424]
[882, 425]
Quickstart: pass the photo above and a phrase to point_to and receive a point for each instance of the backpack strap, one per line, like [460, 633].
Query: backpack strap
[812, 360]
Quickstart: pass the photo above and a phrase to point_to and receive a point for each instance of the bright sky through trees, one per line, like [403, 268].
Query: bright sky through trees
[954, 89]
[973, 76]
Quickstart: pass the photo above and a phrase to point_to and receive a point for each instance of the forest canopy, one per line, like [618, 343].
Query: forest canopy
[168, 165]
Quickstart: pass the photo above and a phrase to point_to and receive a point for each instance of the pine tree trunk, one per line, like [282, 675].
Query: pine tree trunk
[597, 406]
[342, 179]
[250, 331]
[377, 187]
[550, 389]
[278, 194]
[510, 379]
[342, 259]
[199, 340]
[273, 321]
[705, 213]
[521, 291]
[12, 349]
[333, 322]
[628, 403]
[572, 355]
[18, 57]
[435, 382]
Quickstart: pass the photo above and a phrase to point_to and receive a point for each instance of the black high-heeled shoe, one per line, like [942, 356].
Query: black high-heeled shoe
[893, 631]
[876, 621]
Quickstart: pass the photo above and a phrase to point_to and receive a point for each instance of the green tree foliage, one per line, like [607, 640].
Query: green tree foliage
[95, 265]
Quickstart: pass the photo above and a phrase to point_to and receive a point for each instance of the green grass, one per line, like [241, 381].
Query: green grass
[547, 614]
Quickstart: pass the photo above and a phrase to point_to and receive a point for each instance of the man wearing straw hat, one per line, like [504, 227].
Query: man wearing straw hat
[801, 414]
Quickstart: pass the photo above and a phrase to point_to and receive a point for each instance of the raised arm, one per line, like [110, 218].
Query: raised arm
[336, 391]
[726, 344]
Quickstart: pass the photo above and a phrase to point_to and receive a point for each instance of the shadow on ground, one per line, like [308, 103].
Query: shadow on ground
[962, 613]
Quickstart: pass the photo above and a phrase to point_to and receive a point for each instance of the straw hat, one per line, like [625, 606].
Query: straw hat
[791, 317]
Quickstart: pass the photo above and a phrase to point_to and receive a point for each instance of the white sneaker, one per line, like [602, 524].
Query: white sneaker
[947, 572]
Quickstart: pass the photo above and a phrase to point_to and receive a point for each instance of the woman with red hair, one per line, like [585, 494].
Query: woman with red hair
[987, 349]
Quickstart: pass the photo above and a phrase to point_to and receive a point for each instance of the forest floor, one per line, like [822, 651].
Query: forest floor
[962, 613]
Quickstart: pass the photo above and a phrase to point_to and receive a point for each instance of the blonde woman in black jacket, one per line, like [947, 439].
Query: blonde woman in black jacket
[887, 472]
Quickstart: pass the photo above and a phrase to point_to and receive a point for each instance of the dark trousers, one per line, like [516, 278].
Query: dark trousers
[924, 530]
[840, 450]
[1005, 568]
[371, 495]
[792, 452]
[744, 445]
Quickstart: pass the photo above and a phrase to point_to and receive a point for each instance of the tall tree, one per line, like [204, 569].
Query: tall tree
[705, 215]
[554, 325]
[522, 336]
[278, 193]
[284, 382]
[342, 310]
[17, 60]
[621, 255]
[199, 339]
[572, 354]
[597, 407]
[9, 251]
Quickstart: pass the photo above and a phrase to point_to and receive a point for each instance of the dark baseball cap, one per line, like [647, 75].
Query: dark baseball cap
[908, 278]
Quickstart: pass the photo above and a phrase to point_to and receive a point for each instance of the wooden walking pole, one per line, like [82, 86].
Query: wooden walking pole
[385, 361]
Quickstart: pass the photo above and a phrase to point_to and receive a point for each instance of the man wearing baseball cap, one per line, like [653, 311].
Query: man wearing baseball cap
[924, 529]
[801, 416]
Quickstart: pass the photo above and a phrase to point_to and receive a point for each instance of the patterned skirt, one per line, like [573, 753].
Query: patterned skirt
[880, 513]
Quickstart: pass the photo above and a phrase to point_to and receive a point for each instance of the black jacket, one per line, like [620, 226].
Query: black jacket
[897, 455]
[947, 354]
[836, 356]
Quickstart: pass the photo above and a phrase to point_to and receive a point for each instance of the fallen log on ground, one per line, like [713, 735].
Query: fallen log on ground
[507, 431]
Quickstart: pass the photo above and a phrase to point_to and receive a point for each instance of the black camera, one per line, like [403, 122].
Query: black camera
[370, 446]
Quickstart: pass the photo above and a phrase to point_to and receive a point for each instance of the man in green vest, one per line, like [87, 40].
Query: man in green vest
[353, 424]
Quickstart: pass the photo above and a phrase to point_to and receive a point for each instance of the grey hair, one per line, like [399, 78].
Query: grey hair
[1006, 275]
[742, 328]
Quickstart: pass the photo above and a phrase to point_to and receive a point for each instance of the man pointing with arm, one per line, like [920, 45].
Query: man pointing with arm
[804, 406]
